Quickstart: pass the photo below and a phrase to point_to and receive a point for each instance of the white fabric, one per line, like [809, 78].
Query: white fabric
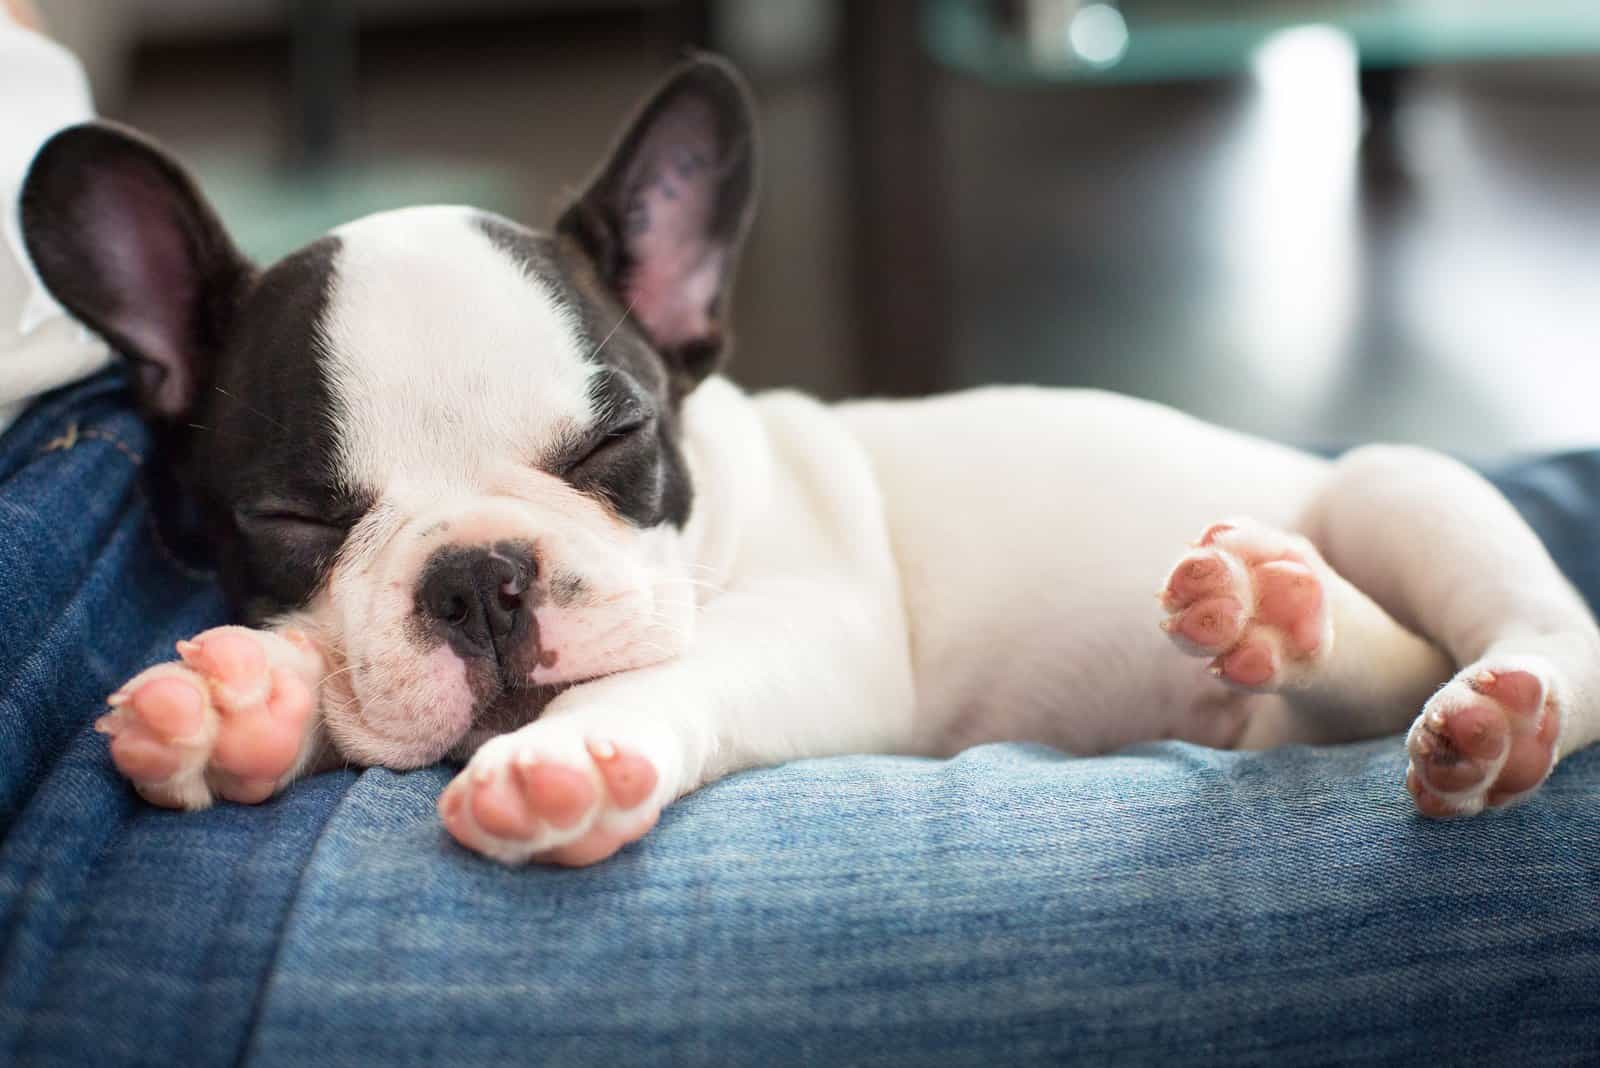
[42, 89]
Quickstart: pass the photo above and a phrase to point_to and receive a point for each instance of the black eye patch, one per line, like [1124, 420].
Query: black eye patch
[290, 544]
[614, 437]
[641, 475]
[316, 510]
[293, 538]
[623, 468]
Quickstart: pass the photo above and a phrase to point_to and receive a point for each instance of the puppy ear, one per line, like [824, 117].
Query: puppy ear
[124, 240]
[664, 218]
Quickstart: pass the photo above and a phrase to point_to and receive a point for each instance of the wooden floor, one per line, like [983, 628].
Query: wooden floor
[1231, 248]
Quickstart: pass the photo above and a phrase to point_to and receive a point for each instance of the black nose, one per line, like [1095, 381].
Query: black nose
[476, 597]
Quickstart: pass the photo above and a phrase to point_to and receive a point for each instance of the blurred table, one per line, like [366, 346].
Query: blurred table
[896, 50]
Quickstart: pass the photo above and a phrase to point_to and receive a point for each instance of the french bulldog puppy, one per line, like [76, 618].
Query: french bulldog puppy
[483, 496]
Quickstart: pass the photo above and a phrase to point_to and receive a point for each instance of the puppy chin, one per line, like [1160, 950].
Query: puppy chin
[511, 710]
[407, 719]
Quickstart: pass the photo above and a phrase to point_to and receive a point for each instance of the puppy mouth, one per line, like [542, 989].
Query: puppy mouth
[504, 678]
[507, 694]
[507, 711]
[516, 705]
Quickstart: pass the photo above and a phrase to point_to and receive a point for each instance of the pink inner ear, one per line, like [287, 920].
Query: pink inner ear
[672, 295]
[677, 268]
[147, 268]
[174, 392]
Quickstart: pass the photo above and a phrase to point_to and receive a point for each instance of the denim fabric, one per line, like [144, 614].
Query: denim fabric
[1168, 905]
[114, 934]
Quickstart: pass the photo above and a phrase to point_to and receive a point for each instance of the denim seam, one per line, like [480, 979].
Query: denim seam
[70, 437]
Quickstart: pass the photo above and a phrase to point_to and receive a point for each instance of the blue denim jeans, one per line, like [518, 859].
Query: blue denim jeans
[1169, 904]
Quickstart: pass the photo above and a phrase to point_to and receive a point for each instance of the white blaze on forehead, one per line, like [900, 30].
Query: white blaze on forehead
[443, 353]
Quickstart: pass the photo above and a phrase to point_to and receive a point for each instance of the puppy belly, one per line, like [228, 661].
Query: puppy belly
[1034, 530]
[1093, 692]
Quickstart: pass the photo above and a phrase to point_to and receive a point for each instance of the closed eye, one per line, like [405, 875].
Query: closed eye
[610, 439]
[290, 520]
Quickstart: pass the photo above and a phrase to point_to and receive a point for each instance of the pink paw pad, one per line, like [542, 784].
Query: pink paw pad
[171, 708]
[157, 724]
[1215, 623]
[527, 798]
[1250, 598]
[261, 740]
[1289, 597]
[223, 713]
[1199, 575]
[1249, 664]
[143, 758]
[519, 801]
[629, 777]
[227, 658]
[1485, 739]
[559, 795]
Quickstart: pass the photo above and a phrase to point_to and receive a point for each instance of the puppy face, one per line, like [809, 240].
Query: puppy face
[473, 482]
[448, 442]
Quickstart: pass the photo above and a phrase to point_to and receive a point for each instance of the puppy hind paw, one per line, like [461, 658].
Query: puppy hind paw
[1487, 739]
[1252, 600]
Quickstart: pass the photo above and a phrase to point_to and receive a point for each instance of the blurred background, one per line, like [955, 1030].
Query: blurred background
[1318, 220]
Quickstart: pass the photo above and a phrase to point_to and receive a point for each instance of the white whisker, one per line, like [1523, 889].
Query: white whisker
[625, 313]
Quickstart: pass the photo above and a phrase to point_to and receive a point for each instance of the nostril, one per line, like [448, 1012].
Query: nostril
[511, 594]
[446, 604]
[453, 610]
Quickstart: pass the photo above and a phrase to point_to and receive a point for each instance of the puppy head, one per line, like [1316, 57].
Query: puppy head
[451, 443]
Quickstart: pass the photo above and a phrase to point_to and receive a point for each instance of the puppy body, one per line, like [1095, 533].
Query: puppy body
[1027, 526]
[1005, 545]
[486, 498]
[1022, 528]
[923, 576]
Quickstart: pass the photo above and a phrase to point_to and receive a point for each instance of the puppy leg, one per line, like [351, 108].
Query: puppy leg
[235, 717]
[796, 672]
[1274, 617]
[1447, 556]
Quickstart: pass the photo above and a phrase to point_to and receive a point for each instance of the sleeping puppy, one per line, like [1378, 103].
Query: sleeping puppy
[484, 497]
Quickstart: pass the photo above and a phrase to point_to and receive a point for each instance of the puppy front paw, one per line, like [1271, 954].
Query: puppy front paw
[229, 720]
[1252, 599]
[1488, 738]
[551, 794]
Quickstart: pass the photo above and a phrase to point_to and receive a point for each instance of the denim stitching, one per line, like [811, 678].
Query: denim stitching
[70, 437]
[116, 443]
